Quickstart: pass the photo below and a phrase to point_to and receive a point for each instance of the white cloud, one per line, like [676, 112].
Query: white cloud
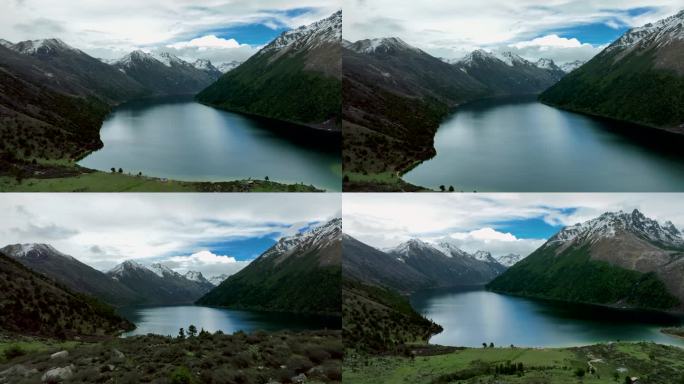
[208, 41]
[107, 29]
[447, 28]
[385, 220]
[105, 229]
[205, 261]
[549, 41]
[491, 240]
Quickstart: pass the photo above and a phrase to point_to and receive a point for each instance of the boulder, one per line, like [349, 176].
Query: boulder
[299, 378]
[59, 355]
[17, 370]
[58, 374]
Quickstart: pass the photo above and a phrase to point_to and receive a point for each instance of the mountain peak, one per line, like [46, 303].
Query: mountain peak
[382, 45]
[162, 270]
[325, 31]
[315, 237]
[127, 265]
[31, 250]
[42, 46]
[611, 224]
[659, 33]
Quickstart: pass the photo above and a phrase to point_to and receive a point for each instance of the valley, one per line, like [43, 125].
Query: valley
[63, 320]
[416, 122]
[62, 144]
[602, 297]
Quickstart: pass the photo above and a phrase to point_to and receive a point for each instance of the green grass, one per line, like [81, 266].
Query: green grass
[35, 346]
[116, 182]
[653, 363]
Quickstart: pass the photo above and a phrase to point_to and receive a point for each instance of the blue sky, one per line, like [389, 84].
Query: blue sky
[500, 223]
[560, 30]
[110, 29]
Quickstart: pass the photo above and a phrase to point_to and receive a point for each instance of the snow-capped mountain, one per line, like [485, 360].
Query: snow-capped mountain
[326, 31]
[619, 258]
[216, 280]
[160, 284]
[66, 269]
[162, 270]
[612, 224]
[228, 66]
[165, 73]
[658, 34]
[445, 264]
[509, 260]
[547, 64]
[571, 66]
[43, 46]
[485, 256]
[32, 250]
[281, 279]
[269, 83]
[6, 43]
[611, 84]
[315, 238]
[381, 45]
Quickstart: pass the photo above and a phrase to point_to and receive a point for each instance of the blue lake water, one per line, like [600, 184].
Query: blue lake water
[471, 317]
[522, 145]
[178, 138]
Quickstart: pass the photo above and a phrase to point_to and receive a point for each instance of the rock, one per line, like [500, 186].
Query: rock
[111, 367]
[59, 355]
[299, 378]
[118, 354]
[59, 374]
[18, 370]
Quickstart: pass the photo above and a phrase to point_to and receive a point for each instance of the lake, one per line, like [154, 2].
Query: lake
[178, 138]
[471, 317]
[167, 320]
[522, 145]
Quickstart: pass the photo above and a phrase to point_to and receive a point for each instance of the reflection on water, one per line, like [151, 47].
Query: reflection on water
[471, 317]
[519, 145]
[168, 320]
[180, 139]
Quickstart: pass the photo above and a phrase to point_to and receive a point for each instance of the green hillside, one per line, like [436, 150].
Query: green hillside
[572, 276]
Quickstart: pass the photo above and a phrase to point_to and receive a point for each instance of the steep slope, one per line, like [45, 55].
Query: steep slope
[158, 285]
[294, 78]
[78, 277]
[395, 96]
[376, 314]
[166, 74]
[638, 78]
[45, 112]
[74, 71]
[34, 304]
[446, 270]
[364, 263]
[510, 74]
[301, 273]
[623, 259]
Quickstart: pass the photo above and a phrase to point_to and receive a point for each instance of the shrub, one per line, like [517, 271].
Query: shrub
[181, 375]
[13, 351]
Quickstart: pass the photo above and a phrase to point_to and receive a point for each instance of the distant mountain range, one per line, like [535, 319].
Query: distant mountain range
[34, 304]
[395, 96]
[167, 74]
[638, 78]
[299, 273]
[54, 97]
[295, 78]
[376, 313]
[619, 259]
[129, 283]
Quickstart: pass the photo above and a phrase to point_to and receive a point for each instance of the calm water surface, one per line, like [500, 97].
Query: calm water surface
[178, 138]
[168, 320]
[523, 145]
[471, 317]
